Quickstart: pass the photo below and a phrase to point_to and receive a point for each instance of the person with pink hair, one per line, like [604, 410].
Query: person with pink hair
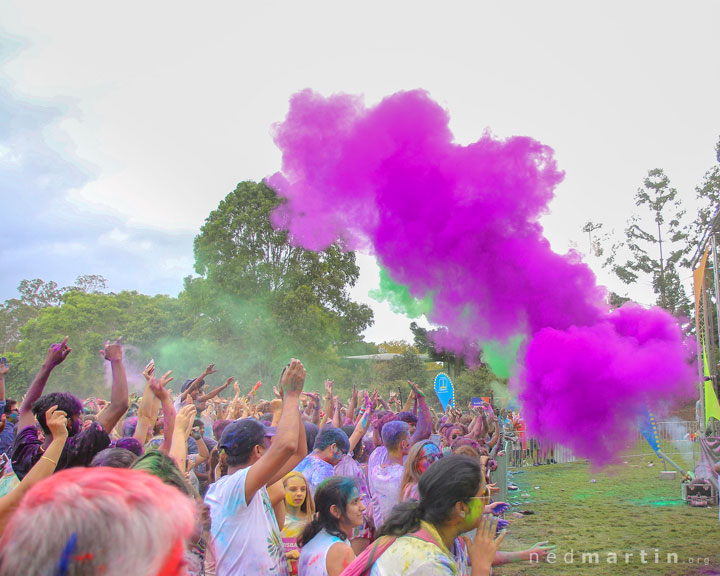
[88, 521]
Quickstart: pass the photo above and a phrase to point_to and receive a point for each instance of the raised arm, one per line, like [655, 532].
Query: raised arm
[4, 369]
[147, 412]
[163, 395]
[329, 405]
[119, 402]
[337, 416]
[362, 424]
[183, 425]
[352, 405]
[55, 356]
[424, 423]
[209, 370]
[57, 422]
[289, 443]
[216, 391]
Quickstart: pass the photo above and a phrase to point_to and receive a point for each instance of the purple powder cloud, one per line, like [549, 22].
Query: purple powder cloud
[457, 222]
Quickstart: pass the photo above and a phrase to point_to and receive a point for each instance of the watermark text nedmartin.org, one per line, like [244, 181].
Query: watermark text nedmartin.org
[652, 556]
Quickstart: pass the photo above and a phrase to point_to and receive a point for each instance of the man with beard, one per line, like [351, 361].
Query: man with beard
[81, 445]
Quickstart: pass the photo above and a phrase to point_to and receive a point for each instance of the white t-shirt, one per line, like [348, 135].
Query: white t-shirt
[246, 536]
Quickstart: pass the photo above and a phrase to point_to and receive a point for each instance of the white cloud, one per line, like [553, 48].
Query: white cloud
[172, 106]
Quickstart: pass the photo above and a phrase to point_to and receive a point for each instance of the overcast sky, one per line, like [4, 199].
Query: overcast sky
[123, 125]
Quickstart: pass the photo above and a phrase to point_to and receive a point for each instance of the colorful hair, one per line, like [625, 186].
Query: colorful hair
[334, 491]
[408, 417]
[410, 472]
[395, 432]
[106, 521]
[330, 436]
[132, 444]
[162, 466]
[129, 426]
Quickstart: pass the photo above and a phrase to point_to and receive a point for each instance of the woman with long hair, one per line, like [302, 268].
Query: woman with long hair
[418, 460]
[452, 497]
[325, 545]
[299, 510]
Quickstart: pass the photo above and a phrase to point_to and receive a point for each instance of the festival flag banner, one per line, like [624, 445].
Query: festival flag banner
[445, 390]
[648, 429]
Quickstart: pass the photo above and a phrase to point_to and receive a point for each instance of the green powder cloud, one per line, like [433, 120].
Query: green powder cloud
[399, 298]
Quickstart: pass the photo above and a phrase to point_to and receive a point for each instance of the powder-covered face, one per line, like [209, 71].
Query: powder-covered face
[337, 454]
[428, 454]
[295, 492]
[455, 433]
[476, 507]
[355, 509]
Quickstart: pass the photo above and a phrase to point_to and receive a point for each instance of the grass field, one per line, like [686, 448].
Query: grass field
[626, 510]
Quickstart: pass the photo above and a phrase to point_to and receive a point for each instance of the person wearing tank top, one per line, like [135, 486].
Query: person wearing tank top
[324, 545]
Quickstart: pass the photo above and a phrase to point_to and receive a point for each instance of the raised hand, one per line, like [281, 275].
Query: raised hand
[185, 418]
[415, 389]
[112, 352]
[236, 387]
[210, 370]
[57, 422]
[328, 388]
[293, 378]
[4, 366]
[57, 353]
[483, 548]
[227, 383]
[149, 370]
[165, 379]
[158, 389]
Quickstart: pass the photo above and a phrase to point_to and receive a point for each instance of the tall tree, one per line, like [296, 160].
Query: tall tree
[656, 242]
[266, 296]
[708, 196]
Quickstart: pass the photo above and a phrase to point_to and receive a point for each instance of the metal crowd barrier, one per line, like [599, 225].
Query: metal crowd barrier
[676, 438]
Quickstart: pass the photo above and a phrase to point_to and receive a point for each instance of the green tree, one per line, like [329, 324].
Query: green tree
[267, 298]
[36, 295]
[708, 196]
[89, 320]
[656, 242]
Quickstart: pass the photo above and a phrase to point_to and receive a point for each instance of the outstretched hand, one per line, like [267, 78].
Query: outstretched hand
[542, 549]
[210, 369]
[57, 353]
[112, 352]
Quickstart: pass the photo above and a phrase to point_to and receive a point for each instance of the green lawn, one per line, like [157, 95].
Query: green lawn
[627, 509]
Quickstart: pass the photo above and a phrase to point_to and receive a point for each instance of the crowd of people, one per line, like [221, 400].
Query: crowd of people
[304, 484]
